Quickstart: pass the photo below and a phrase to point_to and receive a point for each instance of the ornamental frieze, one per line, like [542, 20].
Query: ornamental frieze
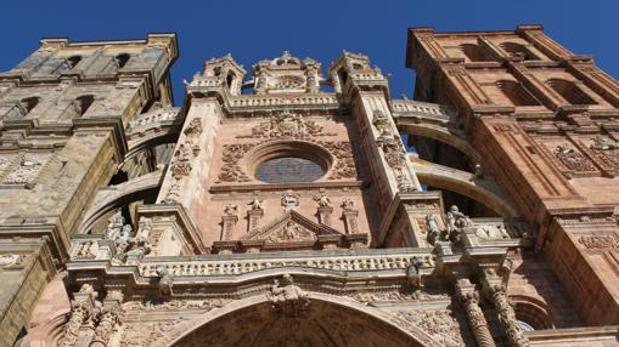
[287, 125]
[232, 170]
[599, 242]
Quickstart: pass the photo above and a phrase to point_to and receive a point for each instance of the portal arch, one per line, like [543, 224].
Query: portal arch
[329, 321]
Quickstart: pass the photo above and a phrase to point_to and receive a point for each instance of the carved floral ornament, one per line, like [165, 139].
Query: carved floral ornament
[287, 124]
[237, 158]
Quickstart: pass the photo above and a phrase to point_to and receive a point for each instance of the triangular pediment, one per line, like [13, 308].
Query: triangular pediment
[291, 227]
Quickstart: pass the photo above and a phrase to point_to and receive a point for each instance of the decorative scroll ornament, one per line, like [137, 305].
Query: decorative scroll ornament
[290, 200]
[287, 125]
[288, 299]
[600, 242]
[344, 166]
[231, 170]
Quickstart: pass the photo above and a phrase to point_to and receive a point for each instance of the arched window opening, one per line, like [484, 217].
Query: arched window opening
[570, 92]
[524, 326]
[122, 59]
[83, 103]
[74, 60]
[357, 66]
[230, 79]
[517, 93]
[217, 71]
[531, 315]
[516, 50]
[30, 103]
[476, 53]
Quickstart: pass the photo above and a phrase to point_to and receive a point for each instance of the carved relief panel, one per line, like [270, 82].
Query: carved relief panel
[22, 168]
[567, 156]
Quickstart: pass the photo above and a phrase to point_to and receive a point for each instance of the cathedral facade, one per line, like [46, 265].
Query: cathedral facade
[296, 205]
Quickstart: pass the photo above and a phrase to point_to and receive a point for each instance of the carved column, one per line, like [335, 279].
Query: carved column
[109, 318]
[469, 298]
[229, 226]
[254, 217]
[79, 330]
[350, 221]
[496, 290]
[324, 214]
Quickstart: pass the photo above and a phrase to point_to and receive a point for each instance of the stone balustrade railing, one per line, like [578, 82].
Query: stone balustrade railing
[92, 248]
[410, 108]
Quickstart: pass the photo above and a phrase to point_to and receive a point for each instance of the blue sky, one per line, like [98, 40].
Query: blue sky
[253, 30]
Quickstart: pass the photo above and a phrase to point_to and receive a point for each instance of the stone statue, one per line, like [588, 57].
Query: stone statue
[115, 224]
[434, 232]
[123, 241]
[323, 200]
[456, 222]
[287, 298]
[290, 231]
[166, 281]
[231, 210]
[256, 204]
[348, 204]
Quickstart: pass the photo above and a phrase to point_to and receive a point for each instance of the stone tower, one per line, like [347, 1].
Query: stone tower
[280, 206]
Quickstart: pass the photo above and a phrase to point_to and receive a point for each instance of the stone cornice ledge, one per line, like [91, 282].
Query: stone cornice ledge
[234, 268]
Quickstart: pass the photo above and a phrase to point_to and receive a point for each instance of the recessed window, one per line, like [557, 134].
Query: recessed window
[524, 326]
[289, 170]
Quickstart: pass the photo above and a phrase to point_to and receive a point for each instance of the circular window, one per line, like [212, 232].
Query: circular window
[288, 162]
[288, 170]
